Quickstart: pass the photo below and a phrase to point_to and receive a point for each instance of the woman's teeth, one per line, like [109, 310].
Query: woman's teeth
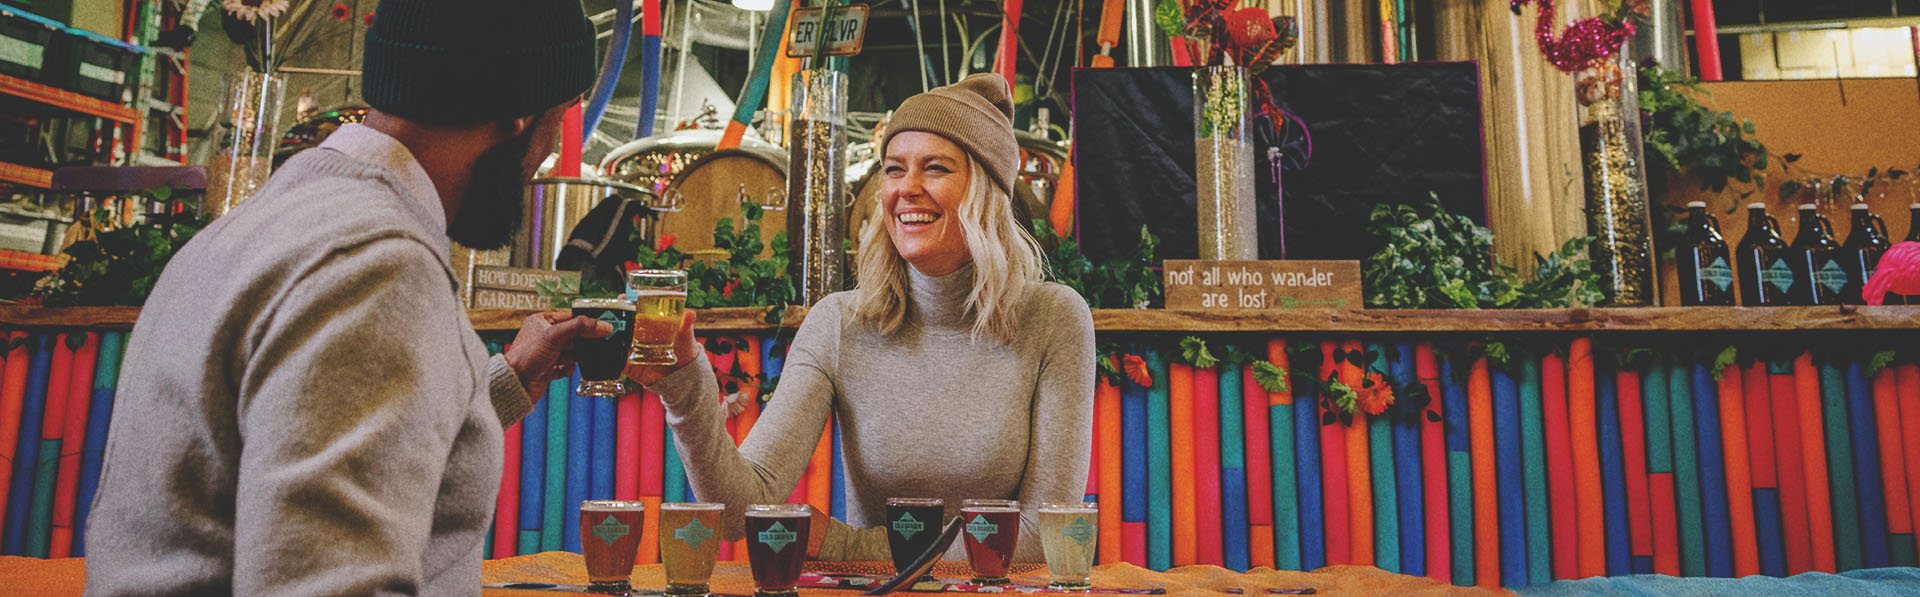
[917, 218]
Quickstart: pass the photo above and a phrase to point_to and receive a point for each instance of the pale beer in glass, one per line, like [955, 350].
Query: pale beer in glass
[1069, 534]
[659, 296]
[610, 539]
[689, 542]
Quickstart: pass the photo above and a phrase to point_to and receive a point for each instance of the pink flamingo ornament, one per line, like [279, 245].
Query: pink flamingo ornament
[1898, 272]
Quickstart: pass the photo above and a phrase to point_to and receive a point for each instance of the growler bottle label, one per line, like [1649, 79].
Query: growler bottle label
[1778, 275]
[1718, 273]
[1830, 276]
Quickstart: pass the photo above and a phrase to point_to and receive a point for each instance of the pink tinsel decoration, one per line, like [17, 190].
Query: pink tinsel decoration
[1584, 43]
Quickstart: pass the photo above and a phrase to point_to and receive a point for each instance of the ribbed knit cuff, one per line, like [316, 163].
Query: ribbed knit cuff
[510, 400]
[693, 381]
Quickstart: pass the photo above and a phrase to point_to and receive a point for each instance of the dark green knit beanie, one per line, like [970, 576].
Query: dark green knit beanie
[467, 61]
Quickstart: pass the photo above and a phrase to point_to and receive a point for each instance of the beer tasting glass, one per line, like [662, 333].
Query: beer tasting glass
[992, 529]
[689, 542]
[601, 359]
[609, 539]
[777, 546]
[913, 525]
[659, 295]
[1069, 532]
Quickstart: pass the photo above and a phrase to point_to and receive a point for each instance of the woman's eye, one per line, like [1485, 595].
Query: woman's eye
[894, 170]
[938, 168]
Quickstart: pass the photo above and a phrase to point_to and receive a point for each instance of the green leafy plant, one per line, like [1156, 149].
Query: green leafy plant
[1270, 377]
[744, 278]
[1880, 360]
[1436, 259]
[1195, 351]
[1126, 282]
[1724, 359]
[1683, 135]
[119, 266]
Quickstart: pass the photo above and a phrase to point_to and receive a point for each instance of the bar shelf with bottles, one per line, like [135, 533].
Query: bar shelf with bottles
[1767, 271]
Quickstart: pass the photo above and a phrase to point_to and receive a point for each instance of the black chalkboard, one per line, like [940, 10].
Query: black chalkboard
[1379, 134]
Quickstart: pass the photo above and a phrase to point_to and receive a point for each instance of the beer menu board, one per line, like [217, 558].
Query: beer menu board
[1293, 284]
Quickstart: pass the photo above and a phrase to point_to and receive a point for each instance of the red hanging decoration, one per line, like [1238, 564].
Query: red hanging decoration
[1585, 42]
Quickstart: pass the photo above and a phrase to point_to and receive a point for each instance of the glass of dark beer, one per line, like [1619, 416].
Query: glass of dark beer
[601, 359]
[913, 525]
[610, 539]
[777, 546]
[992, 529]
[659, 296]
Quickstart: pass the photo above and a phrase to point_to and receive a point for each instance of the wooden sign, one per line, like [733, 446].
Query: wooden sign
[845, 34]
[500, 287]
[1194, 284]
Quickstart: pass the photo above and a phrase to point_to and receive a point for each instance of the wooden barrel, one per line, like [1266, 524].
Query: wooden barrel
[713, 187]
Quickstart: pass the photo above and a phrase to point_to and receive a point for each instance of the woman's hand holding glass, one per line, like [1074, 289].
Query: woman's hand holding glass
[684, 347]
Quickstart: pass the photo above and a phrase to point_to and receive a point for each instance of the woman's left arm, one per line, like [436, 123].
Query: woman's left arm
[1060, 442]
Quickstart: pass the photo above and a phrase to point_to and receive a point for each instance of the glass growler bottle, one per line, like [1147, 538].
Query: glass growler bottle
[1817, 278]
[1706, 271]
[1761, 260]
[1866, 241]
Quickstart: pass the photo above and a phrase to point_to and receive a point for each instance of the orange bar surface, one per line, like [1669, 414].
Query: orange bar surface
[1107, 401]
[1739, 471]
[1186, 551]
[1486, 499]
[1908, 377]
[1813, 447]
[1333, 473]
[1893, 464]
[1359, 468]
[1585, 431]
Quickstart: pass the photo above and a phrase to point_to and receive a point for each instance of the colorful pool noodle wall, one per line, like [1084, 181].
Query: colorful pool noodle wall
[1568, 460]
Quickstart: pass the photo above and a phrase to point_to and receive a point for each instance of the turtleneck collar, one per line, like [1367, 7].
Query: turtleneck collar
[940, 302]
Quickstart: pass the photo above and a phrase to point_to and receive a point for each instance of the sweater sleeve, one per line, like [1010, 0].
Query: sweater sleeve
[351, 399]
[510, 400]
[1060, 442]
[765, 467]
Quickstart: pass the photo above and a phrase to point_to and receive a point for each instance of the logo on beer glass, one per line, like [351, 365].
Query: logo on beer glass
[693, 534]
[907, 526]
[610, 530]
[778, 537]
[619, 325]
[981, 529]
[1081, 530]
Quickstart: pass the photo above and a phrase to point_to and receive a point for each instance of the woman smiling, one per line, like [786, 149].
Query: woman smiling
[954, 370]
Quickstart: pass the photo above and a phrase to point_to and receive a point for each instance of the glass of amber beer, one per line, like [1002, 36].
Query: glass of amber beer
[777, 546]
[689, 542]
[610, 539]
[601, 359]
[1069, 533]
[659, 295]
[992, 529]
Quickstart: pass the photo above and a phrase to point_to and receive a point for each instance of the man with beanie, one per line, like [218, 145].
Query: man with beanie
[304, 407]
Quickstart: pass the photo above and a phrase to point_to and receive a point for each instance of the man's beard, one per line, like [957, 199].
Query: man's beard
[491, 211]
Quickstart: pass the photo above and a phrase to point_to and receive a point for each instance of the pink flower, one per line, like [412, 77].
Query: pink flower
[663, 243]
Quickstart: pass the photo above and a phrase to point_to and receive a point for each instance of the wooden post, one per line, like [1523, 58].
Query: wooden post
[1530, 127]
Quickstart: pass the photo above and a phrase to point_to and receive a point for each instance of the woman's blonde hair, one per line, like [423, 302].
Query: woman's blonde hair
[1006, 262]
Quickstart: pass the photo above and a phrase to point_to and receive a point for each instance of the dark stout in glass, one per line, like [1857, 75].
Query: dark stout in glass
[777, 546]
[913, 525]
[602, 359]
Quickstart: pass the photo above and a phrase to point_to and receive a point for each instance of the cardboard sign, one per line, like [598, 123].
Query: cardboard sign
[500, 287]
[845, 34]
[1206, 285]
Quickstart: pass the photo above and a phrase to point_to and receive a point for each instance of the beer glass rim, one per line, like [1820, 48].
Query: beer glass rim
[1070, 506]
[703, 506]
[601, 302]
[657, 273]
[779, 509]
[981, 503]
[916, 501]
[598, 505]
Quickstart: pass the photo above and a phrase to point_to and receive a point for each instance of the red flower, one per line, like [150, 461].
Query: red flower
[630, 266]
[727, 291]
[1375, 395]
[1136, 369]
[663, 243]
[1249, 28]
[369, 19]
[339, 12]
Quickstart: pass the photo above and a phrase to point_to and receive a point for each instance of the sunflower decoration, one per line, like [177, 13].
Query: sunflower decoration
[249, 11]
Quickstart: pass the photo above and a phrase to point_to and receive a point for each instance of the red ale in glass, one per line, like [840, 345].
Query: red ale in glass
[992, 530]
[1765, 277]
[1857, 257]
[609, 540]
[777, 546]
[1706, 271]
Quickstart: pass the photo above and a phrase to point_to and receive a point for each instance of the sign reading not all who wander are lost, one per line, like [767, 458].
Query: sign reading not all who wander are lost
[1196, 284]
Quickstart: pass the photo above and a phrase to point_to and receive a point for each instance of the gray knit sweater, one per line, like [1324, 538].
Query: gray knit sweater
[924, 412]
[304, 407]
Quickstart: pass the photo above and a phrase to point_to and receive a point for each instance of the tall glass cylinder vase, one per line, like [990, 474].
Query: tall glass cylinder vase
[1617, 206]
[1223, 155]
[251, 110]
[817, 182]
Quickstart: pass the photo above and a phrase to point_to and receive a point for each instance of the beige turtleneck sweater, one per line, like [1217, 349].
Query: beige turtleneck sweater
[924, 412]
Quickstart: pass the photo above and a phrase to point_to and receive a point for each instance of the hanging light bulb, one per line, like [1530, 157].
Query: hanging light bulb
[760, 5]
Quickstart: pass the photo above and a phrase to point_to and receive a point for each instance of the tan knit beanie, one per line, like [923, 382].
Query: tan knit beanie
[975, 113]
